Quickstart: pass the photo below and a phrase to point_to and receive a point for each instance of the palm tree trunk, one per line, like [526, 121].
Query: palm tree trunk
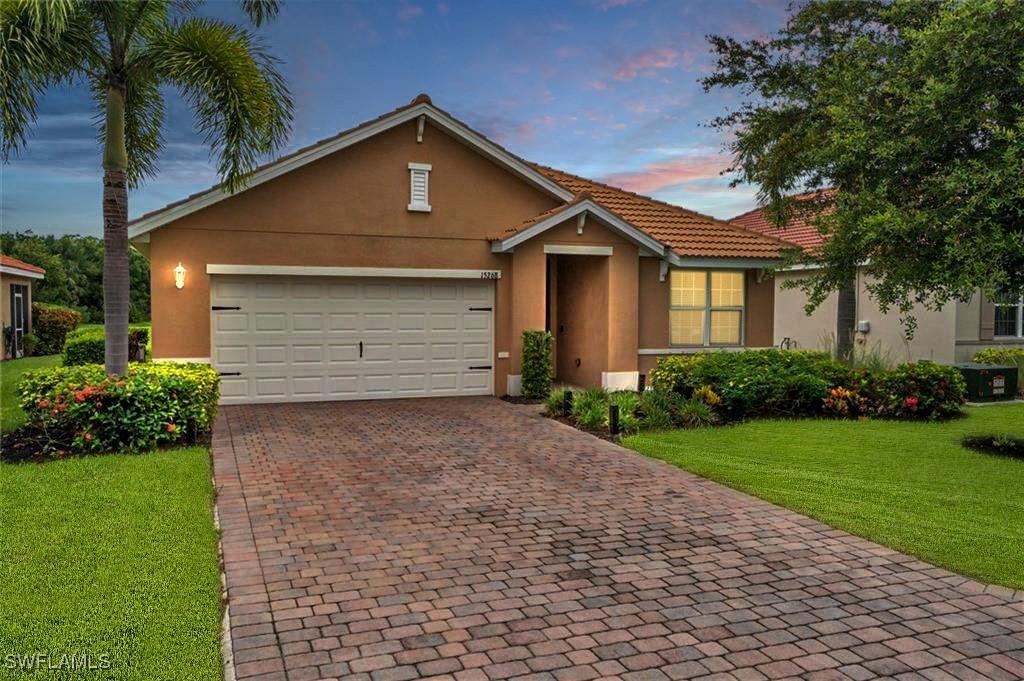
[115, 237]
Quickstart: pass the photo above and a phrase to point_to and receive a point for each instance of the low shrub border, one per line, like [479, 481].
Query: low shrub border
[51, 324]
[88, 347]
[79, 409]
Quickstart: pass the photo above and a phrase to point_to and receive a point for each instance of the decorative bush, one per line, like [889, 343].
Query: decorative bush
[84, 410]
[628, 403]
[52, 324]
[696, 413]
[658, 409]
[30, 343]
[554, 405]
[88, 347]
[924, 390]
[754, 382]
[536, 364]
[590, 408]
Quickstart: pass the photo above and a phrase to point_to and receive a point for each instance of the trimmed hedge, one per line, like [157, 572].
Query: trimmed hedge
[84, 410]
[89, 346]
[51, 324]
[775, 382]
[536, 372]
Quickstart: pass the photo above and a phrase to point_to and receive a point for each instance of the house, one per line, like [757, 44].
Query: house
[406, 256]
[952, 334]
[16, 279]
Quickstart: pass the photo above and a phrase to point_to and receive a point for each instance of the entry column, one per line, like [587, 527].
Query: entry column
[529, 308]
[623, 319]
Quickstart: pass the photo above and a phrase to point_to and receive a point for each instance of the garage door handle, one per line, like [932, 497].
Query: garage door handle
[481, 367]
[230, 373]
[480, 309]
[224, 307]
[360, 348]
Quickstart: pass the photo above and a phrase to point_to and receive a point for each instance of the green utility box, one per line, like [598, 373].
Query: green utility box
[989, 382]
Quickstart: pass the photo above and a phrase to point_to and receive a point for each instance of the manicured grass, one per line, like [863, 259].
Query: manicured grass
[910, 486]
[11, 415]
[112, 555]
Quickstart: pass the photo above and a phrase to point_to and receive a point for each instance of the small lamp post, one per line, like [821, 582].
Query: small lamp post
[179, 276]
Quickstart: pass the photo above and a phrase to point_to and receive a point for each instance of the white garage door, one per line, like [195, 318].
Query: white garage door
[296, 339]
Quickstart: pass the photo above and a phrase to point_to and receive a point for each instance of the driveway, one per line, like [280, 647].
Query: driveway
[471, 539]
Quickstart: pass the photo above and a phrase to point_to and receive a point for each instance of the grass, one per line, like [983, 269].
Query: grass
[112, 555]
[11, 415]
[910, 486]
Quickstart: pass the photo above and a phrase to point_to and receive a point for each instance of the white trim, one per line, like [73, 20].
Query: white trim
[183, 360]
[560, 249]
[421, 166]
[620, 380]
[692, 349]
[302, 271]
[514, 385]
[139, 227]
[18, 272]
[587, 206]
[685, 262]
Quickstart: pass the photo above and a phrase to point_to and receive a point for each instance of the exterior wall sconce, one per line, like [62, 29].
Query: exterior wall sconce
[179, 276]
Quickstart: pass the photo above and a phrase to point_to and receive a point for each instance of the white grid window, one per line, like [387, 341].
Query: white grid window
[706, 307]
[1009, 319]
[419, 187]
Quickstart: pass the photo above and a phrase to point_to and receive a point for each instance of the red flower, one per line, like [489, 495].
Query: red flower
[171, 427]
[43, 403]
[88, 437]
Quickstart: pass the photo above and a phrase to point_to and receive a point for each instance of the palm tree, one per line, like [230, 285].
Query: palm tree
[127, 51]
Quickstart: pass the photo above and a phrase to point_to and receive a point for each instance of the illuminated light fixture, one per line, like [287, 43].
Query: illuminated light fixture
[179, 276]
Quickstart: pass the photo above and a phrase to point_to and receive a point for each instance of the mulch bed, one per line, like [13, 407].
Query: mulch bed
[995, 444]
[522, 400]
[603, 433]
[35, 443]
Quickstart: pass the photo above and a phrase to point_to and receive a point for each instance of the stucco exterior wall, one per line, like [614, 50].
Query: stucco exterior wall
[5, 294]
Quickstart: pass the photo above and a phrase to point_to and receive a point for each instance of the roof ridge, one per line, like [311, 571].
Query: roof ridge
[672, 206]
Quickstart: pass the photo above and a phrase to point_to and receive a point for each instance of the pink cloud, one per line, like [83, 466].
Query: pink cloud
[408, 12]
[650, 60]
[609, 4]
[597, 85]
[660, 174]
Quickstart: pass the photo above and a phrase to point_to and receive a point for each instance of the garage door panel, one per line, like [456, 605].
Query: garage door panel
[297, 339]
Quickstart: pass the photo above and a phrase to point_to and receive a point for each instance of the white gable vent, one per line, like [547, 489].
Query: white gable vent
[419, 187]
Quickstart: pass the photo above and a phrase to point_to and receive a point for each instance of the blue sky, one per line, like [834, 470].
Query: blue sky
[602, 88]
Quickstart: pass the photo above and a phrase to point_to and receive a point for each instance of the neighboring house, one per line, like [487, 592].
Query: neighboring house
[952, 334]
[16, 279]
[406, 256]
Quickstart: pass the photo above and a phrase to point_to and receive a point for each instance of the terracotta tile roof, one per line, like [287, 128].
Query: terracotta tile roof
[797, 230]
[688, 233]
[8, 261]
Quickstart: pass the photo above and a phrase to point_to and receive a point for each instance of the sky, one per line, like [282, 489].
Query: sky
[607, 89]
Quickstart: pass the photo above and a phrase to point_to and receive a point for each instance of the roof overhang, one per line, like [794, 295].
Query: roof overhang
[18, 272]
[589, 208]
[440, 118]
[684, 261]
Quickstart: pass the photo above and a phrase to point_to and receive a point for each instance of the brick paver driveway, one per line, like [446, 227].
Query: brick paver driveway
[468, 538]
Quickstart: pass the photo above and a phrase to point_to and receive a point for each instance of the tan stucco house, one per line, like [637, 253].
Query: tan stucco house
[952, 334]
[405, 257]
[16, 279]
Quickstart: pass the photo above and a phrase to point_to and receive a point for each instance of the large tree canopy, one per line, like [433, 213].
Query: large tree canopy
[914, 112]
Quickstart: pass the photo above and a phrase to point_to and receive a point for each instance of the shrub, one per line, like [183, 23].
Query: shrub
[590, 408]
[628, 402]
[29, 343]
[52, 323]
[696, 413]
[536, 364]
[924, 390]
[554, 405]
[154, 404]
[754, 382]
[88, 346]
[657, 409]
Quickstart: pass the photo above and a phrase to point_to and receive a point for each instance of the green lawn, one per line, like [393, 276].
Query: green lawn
[910, 486]
[112, 555]
[11, 415]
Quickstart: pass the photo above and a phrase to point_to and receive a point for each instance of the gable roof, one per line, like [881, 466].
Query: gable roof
[798, 230]
[686, 232]
[420, 106]
[662, 228]
[10, 265]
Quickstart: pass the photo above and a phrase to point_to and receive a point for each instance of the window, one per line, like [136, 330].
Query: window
[706, 308]
[1009, 318]
[419, 187]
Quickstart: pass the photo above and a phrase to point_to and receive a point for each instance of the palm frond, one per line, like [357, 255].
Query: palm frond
[261, 11]
[40, 44]
[242, 105]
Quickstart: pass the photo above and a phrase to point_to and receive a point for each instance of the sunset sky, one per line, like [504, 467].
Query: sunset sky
[602, 88]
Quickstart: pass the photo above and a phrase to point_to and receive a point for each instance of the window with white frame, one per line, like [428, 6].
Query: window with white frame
[706, 307]
[419, 187]
[1009, 318]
